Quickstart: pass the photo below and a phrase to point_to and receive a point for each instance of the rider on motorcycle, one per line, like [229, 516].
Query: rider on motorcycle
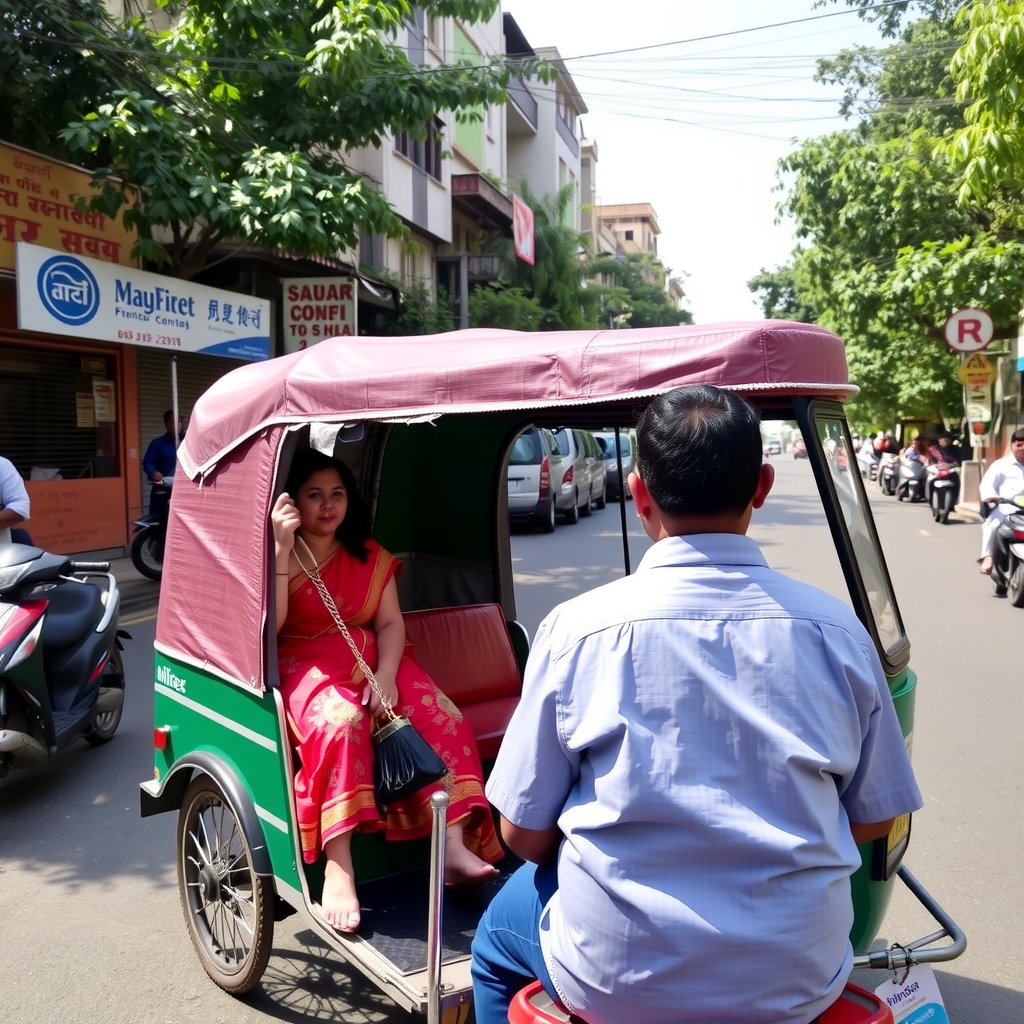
[160, 459]
[1003, 479]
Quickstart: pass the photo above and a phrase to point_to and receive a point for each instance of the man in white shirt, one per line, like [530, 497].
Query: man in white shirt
[1003, 479]
[14, 503]
[699, 749]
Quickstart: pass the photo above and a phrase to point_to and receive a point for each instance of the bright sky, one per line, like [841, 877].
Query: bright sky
[695, 125]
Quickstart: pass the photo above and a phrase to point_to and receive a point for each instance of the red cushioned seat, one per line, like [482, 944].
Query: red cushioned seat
[532, 1005]
[467, 651]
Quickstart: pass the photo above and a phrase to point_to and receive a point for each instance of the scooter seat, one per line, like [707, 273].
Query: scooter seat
[74, 610]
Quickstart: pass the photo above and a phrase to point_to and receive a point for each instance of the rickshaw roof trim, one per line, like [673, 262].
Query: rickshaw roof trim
[403, 379]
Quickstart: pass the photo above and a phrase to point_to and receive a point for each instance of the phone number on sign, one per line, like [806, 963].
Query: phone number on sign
[149, 339]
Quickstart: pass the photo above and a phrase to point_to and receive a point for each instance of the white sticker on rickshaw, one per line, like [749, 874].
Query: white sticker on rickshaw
[914, 997]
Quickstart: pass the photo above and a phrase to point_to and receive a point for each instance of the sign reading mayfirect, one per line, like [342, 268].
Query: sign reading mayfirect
[36, 205]
[316, 308]
[63, 294]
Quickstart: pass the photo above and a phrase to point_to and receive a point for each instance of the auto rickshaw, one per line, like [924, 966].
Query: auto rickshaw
[427, 424]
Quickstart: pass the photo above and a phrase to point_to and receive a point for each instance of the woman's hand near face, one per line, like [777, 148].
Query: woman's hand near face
[285, 519]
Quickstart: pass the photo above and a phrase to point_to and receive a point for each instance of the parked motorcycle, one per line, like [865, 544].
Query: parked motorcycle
[943, 490]
[911, 481]
[1008, 555]
[868, 460]
[61, 674]
[151, 533]
[888, 472]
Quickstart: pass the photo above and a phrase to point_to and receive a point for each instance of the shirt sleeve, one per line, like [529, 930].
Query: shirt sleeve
[13, 494]
[534, 772]
[149, 466]
[883, 785]
[991, 481]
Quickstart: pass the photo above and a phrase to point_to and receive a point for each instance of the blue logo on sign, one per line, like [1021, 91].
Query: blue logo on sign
[68, 290]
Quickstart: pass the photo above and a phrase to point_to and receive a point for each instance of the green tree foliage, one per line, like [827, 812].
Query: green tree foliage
[988, 150]
[418, 311]
[233, 124]
[637, 297]
[556, 278]
[888, 252]
[508, 308]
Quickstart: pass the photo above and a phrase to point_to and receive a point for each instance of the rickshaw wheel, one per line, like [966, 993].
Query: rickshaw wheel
[226, 904]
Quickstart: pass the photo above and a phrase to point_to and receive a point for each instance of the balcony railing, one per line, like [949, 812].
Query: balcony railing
[568, 136]
[518, 91]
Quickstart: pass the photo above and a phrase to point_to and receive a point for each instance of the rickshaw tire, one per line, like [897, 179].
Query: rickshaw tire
[103, 726]
[572, 515]
[235, 975]
[1016, 586]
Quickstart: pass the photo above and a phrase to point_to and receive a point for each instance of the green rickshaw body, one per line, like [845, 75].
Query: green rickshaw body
[217, 709]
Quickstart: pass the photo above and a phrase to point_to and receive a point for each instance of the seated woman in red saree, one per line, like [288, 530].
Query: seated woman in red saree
[330, 703]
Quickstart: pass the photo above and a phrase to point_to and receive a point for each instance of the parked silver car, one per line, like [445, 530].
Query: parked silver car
[534, 465]
[581, 487]
[606, 442]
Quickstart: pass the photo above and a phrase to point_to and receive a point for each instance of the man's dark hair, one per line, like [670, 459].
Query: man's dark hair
[354, 529]
[699, 451]
[1018, 434]
[168, 417]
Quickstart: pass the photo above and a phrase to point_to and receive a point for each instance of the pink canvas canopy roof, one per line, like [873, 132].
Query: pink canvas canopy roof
[473, 371]
[213, 598]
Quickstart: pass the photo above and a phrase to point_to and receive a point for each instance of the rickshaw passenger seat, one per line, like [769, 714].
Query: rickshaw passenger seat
[532, 1005]
[468, 652]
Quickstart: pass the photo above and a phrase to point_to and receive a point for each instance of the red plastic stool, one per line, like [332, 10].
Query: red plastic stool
[532, 1005]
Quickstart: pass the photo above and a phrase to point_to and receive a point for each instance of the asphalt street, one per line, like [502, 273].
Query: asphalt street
[88, 897]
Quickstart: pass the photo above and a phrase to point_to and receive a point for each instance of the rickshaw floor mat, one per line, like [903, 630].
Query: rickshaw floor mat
[395, 909]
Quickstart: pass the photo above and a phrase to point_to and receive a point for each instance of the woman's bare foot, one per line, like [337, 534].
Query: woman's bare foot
[985, 566]
[462, 866]
[339, 902]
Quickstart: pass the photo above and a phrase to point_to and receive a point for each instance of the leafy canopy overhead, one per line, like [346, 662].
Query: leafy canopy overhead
[916, 210]
[234, 123]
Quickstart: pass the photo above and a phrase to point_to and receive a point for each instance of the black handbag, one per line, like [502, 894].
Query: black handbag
[403, 761]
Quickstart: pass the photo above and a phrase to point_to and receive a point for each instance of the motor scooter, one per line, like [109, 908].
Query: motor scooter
[943, 490]
[868, 461]
[61, 674]
[151, 533]
[888, 472]
[1008, 554]
[911, 480]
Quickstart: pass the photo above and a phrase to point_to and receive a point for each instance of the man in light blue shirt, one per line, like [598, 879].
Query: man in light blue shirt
[698, 751]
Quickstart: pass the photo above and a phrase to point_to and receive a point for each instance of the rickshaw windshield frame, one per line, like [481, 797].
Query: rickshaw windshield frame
[823, 426]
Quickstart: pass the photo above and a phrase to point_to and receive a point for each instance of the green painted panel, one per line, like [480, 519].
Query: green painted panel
[439, 486]
[240, 728]
[469, 135]
[871, 898]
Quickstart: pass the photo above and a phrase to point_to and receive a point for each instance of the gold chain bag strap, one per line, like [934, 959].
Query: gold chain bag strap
[403, 760]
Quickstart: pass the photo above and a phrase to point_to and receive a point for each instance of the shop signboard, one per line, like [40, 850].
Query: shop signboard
[315, 308]
[60, 293]
[38, 204]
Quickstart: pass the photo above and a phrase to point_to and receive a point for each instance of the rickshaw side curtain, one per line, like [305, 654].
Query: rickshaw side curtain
[489, 370]
[212, 596]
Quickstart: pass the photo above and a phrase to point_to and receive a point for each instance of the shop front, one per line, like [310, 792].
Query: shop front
[65, 402]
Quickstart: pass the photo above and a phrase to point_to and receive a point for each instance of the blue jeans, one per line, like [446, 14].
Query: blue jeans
[506, 948]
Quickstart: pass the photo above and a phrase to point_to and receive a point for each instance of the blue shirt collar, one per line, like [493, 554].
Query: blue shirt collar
[703, 549]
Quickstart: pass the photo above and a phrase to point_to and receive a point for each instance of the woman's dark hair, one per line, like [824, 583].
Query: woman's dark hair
[354, 529]
[699, 451]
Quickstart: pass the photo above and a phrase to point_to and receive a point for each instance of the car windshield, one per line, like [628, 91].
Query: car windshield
[527, 450]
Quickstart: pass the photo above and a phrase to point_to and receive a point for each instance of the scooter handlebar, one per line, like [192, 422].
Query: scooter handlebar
[90, 567]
